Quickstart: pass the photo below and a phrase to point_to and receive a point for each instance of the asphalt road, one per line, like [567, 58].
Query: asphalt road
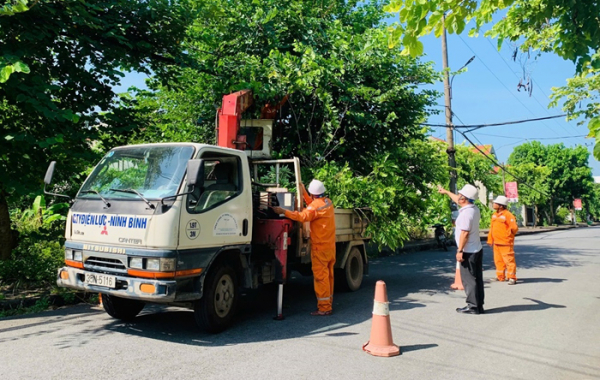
[545, 327]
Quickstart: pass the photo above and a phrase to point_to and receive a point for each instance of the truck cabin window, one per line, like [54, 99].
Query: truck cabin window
[219, 182]
[153, 171]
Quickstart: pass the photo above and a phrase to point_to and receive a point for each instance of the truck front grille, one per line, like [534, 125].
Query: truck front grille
[103, 263]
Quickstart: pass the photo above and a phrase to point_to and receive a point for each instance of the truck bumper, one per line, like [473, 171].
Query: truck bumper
[126, 287]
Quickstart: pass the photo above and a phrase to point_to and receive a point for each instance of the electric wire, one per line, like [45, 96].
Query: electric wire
[533, 80]
[533, 138]
[495, 162]
[479, 126]
[502, 83]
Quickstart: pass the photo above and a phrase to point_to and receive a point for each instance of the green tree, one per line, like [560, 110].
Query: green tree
[472, 167]
[569, 175]
[567, 28]
[10, 64]
[592, 202]
[534, 190]
[76, 52]
[353, 104]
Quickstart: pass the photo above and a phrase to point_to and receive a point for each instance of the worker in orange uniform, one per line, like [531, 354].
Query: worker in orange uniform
[502, 238]
[320, 213]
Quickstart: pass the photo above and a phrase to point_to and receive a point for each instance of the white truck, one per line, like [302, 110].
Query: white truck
[189, 224]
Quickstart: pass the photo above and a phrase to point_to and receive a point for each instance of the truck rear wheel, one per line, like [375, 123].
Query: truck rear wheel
[214, 311]
[353, 271]
[121, 308]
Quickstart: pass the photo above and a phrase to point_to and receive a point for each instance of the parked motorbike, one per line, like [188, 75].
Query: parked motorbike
[441, 237]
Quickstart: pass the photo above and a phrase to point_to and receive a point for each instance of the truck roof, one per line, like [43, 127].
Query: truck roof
[195, 145]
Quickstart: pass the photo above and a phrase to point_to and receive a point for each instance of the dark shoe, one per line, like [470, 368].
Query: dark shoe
[320, 313]
[467, 310]
[481, 311]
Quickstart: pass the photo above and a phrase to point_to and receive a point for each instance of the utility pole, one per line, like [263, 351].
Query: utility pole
[450, 128]
[503, 180]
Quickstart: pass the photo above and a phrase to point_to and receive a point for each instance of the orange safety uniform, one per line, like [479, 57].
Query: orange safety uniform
[320, 214]
[502, 236]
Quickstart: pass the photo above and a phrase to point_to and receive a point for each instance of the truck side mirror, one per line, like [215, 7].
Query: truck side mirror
[193, 169]
[49, 173]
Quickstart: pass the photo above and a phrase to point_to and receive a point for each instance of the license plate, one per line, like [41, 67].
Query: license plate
[101, 280]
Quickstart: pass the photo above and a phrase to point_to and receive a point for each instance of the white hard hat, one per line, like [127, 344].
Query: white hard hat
[316, 187]
[469, 191]
[501, 200]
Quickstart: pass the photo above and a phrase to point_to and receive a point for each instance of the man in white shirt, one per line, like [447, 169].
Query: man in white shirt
[470, 250]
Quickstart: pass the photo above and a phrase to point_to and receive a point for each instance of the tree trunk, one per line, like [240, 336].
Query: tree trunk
[547, 217]
[535, 216]
[7, 238]
[552, 210]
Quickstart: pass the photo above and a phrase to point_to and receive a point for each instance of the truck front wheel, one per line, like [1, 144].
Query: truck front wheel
[121, 308]
[214, 311]
[353, 271]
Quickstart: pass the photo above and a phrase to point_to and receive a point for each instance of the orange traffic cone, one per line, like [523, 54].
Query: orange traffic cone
[381, 342]
[457, 279]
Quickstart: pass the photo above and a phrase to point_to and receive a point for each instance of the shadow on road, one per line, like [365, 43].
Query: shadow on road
[429, 272]
[539, 279]
[536, 306]
[416, 347]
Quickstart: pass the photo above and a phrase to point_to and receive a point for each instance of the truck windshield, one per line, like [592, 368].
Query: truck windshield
[153, 171]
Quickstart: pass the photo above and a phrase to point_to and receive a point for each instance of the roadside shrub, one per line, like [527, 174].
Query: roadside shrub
[561, 216]
[486, 215]
[418, 233]
[34, 263]
[40, 253]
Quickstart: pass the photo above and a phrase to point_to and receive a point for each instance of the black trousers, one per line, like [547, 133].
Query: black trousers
[471, 272]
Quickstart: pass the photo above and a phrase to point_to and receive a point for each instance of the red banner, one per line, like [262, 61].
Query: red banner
[511, 192]
[577, 204]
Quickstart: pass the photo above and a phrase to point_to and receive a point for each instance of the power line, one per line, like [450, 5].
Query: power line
[506, 137]
[478, 126]
[533, 80]
[502, 83]
[463, 124]
[533, 138]
[513, 143]
[495, 162]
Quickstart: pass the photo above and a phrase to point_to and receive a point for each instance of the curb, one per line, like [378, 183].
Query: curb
[428, 244]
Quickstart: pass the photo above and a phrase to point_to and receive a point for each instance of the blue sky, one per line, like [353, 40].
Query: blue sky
[487, 93]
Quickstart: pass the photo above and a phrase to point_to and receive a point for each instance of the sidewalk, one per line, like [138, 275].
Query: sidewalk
[427, 244]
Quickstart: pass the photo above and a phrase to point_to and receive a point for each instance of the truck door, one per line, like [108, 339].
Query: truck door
[218, 213]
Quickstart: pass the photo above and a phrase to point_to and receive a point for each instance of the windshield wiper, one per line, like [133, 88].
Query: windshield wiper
[132, 191]
[97, 193]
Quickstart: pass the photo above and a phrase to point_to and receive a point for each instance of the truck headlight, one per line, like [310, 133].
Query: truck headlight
[153, 264]
[167, 265]
[136, 262]
[77, 255]
[161, 265]
[68, 254]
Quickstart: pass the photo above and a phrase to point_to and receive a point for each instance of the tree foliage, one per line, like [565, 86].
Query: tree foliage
[562, 173]
[353, 104]
[76, 52]
[569, 29]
